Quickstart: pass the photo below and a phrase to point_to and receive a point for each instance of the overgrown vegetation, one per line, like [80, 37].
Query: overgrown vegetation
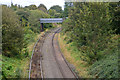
[12, 32]
[89, 27]
[72, 55]
[56, 11]
[20, 27]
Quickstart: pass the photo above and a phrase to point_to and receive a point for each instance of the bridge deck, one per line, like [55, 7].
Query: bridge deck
[51, 20]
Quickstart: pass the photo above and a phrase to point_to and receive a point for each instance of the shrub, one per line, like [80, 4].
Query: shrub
[106, 67]
[12, 33]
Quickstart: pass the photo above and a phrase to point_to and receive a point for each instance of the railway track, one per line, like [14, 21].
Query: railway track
[55, 41]
[35, 68]
[38, 68]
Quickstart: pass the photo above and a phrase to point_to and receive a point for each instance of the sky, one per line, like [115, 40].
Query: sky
[47, 3]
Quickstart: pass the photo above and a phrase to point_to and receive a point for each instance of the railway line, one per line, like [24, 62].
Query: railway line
[48, 61]
[64, 62]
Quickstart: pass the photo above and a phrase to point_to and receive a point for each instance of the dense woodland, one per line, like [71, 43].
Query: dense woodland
[93, 28]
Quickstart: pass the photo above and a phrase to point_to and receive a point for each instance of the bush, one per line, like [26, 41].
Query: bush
[106, 67]
[10, 68]
[12, 33]
[115, 12]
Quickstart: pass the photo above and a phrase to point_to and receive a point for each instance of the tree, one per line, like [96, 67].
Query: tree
[58, 15]
[14, 7]
[66, 8]
[57, 8]
[23, 16]
[115, 12]
[42, 7]
[31, 7]
[12, 33]
[89, 31]
[52, 12]
[34, 19]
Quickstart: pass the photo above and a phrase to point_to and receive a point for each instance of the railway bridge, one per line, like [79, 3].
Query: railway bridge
[50, 20]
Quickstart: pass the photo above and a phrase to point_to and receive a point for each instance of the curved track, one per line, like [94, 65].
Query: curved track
[53, 63]
[47, 61]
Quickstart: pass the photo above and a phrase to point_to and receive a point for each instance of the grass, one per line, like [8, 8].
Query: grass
[72, 56]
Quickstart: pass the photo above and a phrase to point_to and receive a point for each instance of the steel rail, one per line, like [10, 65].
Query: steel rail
[75, 75]
[42, 76]
[32, 58]
[54, 53]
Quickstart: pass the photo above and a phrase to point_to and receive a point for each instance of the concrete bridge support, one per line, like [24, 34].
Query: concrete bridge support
[41, 27]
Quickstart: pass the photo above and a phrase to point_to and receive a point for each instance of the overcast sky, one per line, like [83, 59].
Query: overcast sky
[47, 3]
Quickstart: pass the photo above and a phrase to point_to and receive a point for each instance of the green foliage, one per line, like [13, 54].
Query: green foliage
[106, 67]
[0, 29]
[68, 5]
[56, 11]
[12, 33]
[28, 36]
[115, 12]
[67, 27]
[57, 15]
[57, 8]
[0, 66]
[42, 7]
[90, 31]
[19, 28]
[23, 14]
[52, 12]
[14, 7]
[47, 26]
[34, 19]
[10, 68]
[89, 27]
[31, 7]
